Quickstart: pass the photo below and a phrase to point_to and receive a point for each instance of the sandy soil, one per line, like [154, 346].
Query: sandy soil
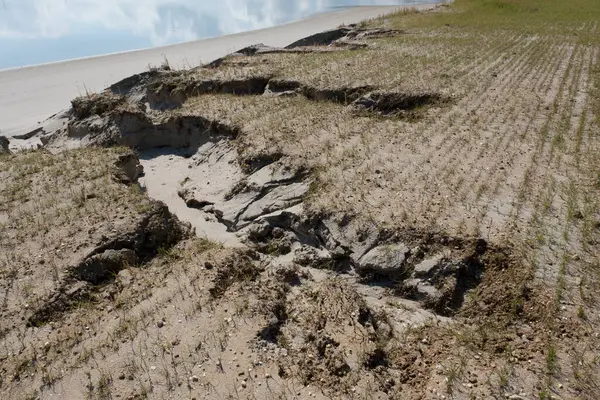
[165, 173]
[406, 208]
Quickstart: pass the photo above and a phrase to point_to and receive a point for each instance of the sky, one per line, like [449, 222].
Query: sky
[40, 31]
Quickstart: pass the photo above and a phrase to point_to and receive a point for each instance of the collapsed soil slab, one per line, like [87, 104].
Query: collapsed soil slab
[4, 143]
[434, 270]
[397, 103]
[322, 38]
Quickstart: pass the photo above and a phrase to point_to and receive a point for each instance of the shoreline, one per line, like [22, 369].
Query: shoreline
[36, 92]
[424, 6]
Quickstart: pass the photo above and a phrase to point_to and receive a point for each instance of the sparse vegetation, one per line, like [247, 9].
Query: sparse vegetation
[468, 133]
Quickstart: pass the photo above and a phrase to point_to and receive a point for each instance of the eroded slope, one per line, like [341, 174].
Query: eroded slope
[417, 197]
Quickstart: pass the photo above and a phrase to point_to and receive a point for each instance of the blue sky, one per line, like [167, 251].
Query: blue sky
[39, 31]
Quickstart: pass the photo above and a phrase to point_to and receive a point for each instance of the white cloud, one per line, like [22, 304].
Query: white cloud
[162, 21]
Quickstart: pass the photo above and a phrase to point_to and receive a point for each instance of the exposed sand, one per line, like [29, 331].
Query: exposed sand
[164, 173]
[32, 94]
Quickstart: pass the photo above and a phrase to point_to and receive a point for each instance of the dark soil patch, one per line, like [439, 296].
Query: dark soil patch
[343, 95]
[394, 104]
[64, 300]
[252, 164]
[322, 38]
[172, 93]
[95, 104]
[242, 267]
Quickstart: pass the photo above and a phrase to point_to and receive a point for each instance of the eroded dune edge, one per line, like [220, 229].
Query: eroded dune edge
[403, 208]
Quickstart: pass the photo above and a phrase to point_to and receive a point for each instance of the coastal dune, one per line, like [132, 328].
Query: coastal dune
[403, 208]
[30, 95]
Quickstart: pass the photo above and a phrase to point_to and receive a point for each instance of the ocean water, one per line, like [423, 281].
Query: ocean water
[40, 31]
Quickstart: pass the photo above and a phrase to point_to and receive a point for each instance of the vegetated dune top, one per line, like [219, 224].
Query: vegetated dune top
[30, 95]
[458, 149]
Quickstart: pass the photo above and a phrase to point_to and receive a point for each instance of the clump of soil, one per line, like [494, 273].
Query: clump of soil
[96, 104]
[240, 268]
[394, 104]
[4, 142]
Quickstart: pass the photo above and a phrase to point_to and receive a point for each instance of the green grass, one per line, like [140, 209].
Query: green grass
[596, 108]
[527, 16]
[581, 313]
[551, 359]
